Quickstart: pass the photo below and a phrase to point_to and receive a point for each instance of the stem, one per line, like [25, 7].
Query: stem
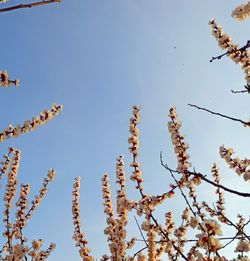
[141, 232]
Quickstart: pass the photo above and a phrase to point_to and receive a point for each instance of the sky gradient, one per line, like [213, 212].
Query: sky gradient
[98, 58]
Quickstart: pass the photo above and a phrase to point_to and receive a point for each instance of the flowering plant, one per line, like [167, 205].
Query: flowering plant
[204, 221]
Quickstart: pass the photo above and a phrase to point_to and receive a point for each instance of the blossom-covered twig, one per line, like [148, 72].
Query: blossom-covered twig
[239, 55]
[30, 125]
[14, 231]
[234, 51]
[78, 236]
[241, 167]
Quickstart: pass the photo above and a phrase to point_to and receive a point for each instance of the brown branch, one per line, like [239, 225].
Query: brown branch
[232, 239]
[247, 45]
[192, 240]
[20, 6]
[139, 251]
[242, 91]
[242, 194]
[203, 177]
[221, 115]
[247, 89]
[218, 57]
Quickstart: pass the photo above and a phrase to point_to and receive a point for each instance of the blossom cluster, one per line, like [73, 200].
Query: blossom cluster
[116, 224]
[206, 239]
[122, 208]
[243, 244]
[220, 203]
[238, 55]
[42, 192]
[5, 81]
[241, 12]
[241, 167]
[30, 125]
[11, 188]
[78, 236]
[16, 247]
[180, 146]
[134, 148]
[169, 238]
[112, 223]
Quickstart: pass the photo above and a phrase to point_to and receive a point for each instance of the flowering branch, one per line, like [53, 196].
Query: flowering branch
[14, 231]
[238, 55]
[78, 235]
[28, 125]
[169, 239]
[147, 204]
[234, 51]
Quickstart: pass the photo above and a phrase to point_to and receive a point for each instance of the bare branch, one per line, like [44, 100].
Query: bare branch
[247, 89]
[221, 115]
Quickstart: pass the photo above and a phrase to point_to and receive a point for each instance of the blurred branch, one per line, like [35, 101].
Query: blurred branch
[20, 6]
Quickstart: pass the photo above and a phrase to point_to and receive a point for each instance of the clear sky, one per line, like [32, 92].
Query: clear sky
[98, 58]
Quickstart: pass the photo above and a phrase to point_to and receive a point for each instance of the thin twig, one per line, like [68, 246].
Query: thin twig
[218, 57]
[247, 45]
[20, 6]
[221, 115]
[242, 91]
[192, 240]
[139, 251]
[141, 231]
[228, 243]
[247, 89]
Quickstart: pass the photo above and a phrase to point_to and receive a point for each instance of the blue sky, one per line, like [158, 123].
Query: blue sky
[98, 58]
